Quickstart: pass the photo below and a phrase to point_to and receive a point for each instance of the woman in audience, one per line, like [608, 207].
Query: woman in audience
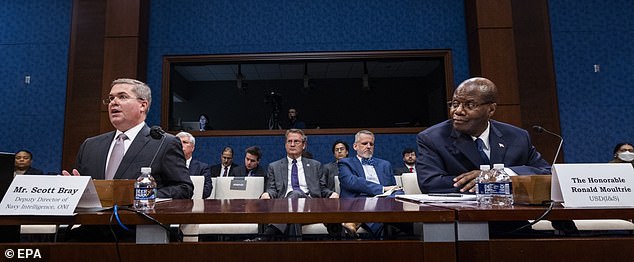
[23, 160]
[623, 153]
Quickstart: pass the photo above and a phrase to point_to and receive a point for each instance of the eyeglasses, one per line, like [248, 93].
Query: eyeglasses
[466, 105]
[294, 141]
[120, 97]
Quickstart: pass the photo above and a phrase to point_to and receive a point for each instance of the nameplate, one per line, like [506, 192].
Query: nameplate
[48, 195]
[593, 185]
[238, 183]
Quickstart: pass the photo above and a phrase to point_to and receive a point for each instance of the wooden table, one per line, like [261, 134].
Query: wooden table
[436, 244]
[474, 243]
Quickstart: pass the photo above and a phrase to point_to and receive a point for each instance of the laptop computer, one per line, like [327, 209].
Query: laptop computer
[7, 161]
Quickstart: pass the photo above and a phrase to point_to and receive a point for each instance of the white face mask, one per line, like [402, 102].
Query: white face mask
[626, 156]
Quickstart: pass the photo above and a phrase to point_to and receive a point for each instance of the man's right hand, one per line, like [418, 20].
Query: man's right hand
[466, 181]
[75, 173]
[265, 195]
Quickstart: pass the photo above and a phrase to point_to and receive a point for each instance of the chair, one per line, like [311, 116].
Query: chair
[213, 190]
[337, 186]
[199, 186]
[190, 231]
[410, 183]
[234, 188]
[399, 180]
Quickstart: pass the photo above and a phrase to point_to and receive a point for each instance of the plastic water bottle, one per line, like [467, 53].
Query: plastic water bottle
[483, 196]
[502, 191]
[145, 190]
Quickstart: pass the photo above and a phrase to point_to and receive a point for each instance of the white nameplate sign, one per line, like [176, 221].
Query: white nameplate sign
[48, 195]
[593, 185]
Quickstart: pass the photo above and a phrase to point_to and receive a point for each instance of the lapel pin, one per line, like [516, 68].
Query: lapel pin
[501, 145]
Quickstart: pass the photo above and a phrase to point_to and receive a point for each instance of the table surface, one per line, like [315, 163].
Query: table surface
[208, 211]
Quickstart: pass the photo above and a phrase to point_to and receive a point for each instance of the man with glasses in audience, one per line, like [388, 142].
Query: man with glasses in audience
[294, 177]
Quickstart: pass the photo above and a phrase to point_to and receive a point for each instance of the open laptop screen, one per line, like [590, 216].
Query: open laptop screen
[7, 161]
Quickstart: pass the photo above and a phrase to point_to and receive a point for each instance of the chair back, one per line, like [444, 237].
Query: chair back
[410, 183]
[239, 187]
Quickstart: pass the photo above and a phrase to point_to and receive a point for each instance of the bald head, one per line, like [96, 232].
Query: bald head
[484, 88]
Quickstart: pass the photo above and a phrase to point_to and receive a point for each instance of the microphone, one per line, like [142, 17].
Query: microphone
[541, 129]
[157, 132]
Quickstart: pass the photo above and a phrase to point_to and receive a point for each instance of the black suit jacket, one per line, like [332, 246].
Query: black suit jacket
[402, 168]
[33, 171]
[168, 169]
[197, 168]
[242, 171]
[215, 170]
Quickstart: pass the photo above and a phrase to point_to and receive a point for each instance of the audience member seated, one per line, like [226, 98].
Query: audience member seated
[365, 176]
[623, 153]
[293, 122]
[340, 150]
[293, 177]
[226, 166]
[203, 121]
[23, 161]
[409, 162]
[196, 168]
[251, 166]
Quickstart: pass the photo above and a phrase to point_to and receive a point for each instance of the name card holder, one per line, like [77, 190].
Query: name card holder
[593, 185]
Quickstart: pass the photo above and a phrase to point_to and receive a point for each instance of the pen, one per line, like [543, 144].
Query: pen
[445, 195]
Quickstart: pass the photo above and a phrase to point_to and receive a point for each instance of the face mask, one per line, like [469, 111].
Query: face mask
[626, 156]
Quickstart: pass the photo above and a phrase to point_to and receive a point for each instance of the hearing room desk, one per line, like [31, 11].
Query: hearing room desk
[474, 244]
[437, 243]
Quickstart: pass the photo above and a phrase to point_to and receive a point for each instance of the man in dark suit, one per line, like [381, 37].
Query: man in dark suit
[120, 154]
[364, 175]
[409, 162]
[196, 168]
[449, 158]
[251, 166]
[128, 104]
[294, 177]
[340, 151]
[226, 166]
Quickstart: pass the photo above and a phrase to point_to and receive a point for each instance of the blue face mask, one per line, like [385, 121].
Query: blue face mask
[626, 156]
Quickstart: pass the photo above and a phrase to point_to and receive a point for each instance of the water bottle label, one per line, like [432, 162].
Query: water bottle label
[495, 188]
[144, 193]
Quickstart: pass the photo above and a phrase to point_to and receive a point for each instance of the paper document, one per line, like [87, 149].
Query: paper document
[438, 198]
[389, 192]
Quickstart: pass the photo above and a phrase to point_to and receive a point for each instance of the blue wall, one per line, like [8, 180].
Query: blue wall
[34, 39]
[595, 108]
[223, 27]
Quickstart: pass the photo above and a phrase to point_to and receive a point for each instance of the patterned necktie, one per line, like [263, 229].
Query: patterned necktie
[411, 170]
[294, 176]
[226, 170]
[480, 145]
[368, 161]
[115, 156]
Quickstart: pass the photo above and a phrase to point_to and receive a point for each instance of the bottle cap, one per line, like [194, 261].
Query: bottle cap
[485, 167]
[146, 170]
[498, 166]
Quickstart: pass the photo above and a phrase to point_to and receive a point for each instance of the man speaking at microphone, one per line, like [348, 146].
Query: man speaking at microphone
[120, 154]
[451, 152]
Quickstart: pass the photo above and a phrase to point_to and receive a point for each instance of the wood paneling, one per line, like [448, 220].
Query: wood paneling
[85, 67]
[108, 40]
